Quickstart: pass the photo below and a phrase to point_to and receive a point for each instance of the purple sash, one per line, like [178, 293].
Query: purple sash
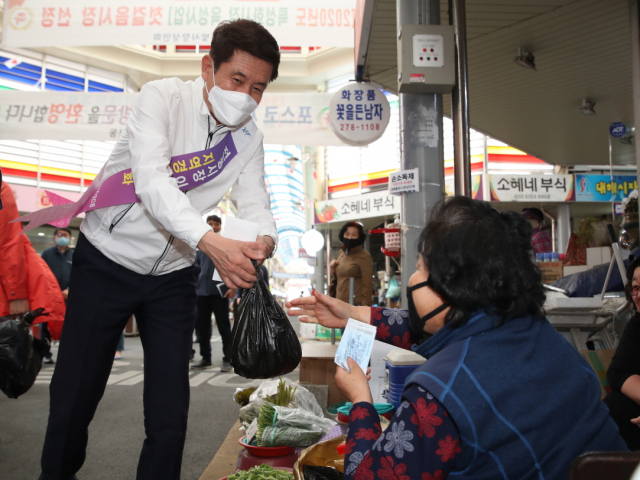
[190, 171]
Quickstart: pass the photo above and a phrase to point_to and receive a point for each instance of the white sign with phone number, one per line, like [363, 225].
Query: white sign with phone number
[359, 113]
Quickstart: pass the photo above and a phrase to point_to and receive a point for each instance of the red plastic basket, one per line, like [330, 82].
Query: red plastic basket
[266, 451]
[392, 241]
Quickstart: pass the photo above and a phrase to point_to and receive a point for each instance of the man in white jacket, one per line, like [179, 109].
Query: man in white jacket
[138, 258]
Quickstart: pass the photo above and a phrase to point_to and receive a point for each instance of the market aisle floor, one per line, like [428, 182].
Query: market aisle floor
[116, 433]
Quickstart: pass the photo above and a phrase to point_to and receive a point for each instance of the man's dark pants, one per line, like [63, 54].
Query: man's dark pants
[219, 306]
[103, 295]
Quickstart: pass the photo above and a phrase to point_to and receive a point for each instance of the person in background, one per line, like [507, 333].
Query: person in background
[623, 374]
[539, 240]
[502, 394]
[26, 282]
[59, 258]
[213, 298]
[353, 262]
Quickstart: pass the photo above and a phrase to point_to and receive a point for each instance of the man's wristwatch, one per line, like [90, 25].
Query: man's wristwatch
[275, 245]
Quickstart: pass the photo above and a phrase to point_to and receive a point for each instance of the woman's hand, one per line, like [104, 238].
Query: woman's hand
[333, 265]
[636, 421]
[355, 384]
[323, 309]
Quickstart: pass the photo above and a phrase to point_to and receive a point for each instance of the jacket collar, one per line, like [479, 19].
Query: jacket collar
[199, 105]
[357, 249]
[479, 322]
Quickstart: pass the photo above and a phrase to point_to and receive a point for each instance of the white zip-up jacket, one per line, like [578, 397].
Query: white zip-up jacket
[159, 234]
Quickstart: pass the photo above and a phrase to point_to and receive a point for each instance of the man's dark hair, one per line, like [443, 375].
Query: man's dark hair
[481, 259]
[62, 229]
[534, 213]
[214, 218]
[248, 36]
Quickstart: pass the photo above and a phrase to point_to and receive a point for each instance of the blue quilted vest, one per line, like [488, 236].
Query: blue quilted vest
[525, 402]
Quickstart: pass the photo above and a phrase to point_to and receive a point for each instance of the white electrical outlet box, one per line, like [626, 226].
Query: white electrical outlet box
[428, 50]
[426, 59]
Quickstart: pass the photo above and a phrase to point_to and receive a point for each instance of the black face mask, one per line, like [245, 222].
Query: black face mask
[350, 243]
[416, 323]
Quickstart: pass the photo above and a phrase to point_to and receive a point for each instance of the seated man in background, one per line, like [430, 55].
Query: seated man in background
[624, 372]
[540, 240]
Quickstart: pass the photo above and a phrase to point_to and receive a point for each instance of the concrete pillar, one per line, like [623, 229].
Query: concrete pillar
[563, 227]
[421, 145]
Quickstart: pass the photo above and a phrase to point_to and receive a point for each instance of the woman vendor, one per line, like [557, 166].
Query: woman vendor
[624, 372]
[502, 395]
[353, 262]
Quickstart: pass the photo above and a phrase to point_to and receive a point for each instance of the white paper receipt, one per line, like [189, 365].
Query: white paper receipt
[357, 342]
[237, 229]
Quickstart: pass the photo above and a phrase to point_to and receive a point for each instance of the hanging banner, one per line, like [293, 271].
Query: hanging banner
[601, 188]
[63, 115]
[367, 205]
[42, 23]
[296, 118]
[531, 188]
[284, 118]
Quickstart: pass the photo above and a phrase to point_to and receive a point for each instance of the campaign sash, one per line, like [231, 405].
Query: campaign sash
[190, 171]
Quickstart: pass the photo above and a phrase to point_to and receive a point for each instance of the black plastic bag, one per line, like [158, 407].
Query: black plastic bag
[313, 472]
[20, 353]
[263, 342]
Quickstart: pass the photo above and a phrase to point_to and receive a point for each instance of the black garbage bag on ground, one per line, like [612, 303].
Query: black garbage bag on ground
[20, 353]
[263, 342]
[312, 472]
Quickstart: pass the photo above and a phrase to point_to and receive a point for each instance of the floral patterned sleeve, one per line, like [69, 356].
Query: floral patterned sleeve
[393, 327]
[420, 443]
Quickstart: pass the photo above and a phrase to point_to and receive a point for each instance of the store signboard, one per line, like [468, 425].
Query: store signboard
[604, 188]
[42, 23]
[375, 204]
[359, 113]
[404, 181]
[282, 117]
[531, 188]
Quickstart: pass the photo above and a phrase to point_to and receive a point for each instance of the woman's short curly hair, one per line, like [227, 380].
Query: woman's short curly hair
[481, 259]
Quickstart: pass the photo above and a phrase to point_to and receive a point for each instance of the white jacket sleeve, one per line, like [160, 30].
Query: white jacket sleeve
[249, 194]
[148, 128]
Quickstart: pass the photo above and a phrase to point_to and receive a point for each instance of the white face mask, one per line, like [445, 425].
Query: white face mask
[230, 108]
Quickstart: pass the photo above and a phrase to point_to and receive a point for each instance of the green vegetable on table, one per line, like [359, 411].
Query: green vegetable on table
[261, 472]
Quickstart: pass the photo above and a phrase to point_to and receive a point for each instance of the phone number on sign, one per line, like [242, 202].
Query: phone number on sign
[364, 126]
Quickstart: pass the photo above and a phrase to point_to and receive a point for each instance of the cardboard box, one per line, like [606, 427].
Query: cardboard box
[600, 361]
[594, 256]
[551, 271]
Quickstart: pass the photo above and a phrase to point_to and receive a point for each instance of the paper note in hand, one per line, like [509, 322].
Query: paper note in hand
[238, 229]
[357, 342]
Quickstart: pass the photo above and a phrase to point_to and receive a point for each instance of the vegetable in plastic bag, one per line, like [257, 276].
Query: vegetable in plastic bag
[313, 472]
[290, 427]
[284, 436]
[263, 344]
[20, 353]
[302, 398]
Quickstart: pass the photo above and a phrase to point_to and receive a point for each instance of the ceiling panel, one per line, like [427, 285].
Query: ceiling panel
[582, 50]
